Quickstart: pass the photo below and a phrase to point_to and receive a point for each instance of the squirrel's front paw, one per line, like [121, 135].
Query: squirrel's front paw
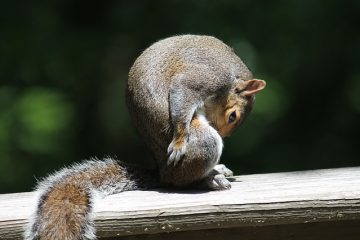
[176, 151]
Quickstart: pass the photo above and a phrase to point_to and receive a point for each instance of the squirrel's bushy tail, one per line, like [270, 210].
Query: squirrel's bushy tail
[65, 203]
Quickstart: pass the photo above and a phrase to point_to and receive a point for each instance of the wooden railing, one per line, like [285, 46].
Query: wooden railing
[320, 204]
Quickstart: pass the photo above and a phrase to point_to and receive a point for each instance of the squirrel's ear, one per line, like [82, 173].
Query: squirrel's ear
[250, 87]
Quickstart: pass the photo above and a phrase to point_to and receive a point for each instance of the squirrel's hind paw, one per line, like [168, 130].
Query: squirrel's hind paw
[218, 182]
[176, 151]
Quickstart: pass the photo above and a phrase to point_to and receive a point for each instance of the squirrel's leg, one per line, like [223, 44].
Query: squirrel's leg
[183, 103]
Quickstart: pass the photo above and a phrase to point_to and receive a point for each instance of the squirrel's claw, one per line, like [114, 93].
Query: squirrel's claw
[175, 152]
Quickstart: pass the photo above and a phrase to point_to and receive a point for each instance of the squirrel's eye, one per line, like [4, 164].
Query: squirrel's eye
[232, 117]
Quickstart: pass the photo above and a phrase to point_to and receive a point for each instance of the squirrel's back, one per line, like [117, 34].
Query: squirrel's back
[153, 69]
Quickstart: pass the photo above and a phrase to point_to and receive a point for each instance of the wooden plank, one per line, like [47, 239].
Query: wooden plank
[335, 230]
[254, 200]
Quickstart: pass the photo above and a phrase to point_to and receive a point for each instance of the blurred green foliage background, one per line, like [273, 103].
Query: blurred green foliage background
[64, 65]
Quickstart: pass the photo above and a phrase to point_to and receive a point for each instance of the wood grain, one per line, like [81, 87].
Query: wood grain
[335, 230]
[254, 201]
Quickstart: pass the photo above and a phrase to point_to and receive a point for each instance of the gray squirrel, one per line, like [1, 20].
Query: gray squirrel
[184, 94]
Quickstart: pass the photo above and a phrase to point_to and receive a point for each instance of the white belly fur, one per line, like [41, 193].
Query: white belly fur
[219, 142]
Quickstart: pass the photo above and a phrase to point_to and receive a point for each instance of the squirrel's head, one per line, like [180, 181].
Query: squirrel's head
[232, 112]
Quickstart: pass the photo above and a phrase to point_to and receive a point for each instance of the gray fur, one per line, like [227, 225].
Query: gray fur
[169, 85]
[202, 68]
